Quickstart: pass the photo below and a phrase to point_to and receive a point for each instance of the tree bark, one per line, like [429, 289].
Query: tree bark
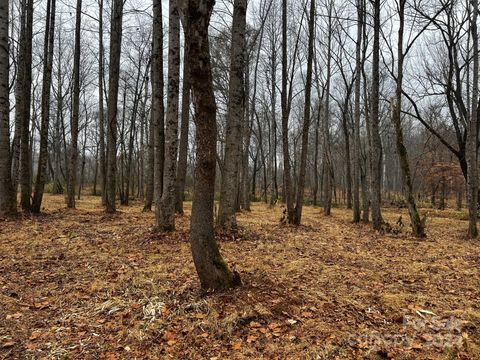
[165, 214]
[72, 164]
[472, 133]
[328, 188]
[183, 147]
[47, 83]
[287, 179]
[7, 194]
[357, 114]
[235, 117]
[417, 224]
[158, 110]
[211, 268]
[376, 149]
[112, 107]
[23, 103]
[306, 118]
[101, 109]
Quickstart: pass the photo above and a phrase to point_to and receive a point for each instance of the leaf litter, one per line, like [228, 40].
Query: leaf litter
[79, 284]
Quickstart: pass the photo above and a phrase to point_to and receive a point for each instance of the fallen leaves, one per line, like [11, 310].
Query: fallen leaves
[118, 292]
[14, 316]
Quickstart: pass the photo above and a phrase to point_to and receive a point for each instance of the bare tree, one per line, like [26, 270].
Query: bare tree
[306, 117]
[165, 214]
[183, 146]
[7, 195]
[113, 80]
[357, 114]
[287, 178]
[46, 91]
[235, 117]
[472, 133]
[158, 109]
[101, 109]
[72, 165]
[23, 106]
[376, 148]
[211, 268]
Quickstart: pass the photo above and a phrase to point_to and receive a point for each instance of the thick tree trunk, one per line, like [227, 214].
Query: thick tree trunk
[72, 164]
[113, 80]
[472, 134]
[306, 118]
[183, 147]
[165, 214]
[7, 194]
[212, 270]
[158, 109]
[235, 118]
[47, 83]
[376, 150]
[23, 102]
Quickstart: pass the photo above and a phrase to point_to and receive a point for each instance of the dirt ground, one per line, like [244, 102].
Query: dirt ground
[79, 284]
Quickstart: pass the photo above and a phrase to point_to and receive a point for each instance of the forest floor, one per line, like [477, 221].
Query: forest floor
[79, 284]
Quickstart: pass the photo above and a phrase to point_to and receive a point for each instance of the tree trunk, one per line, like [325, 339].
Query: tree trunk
[235, 118]
[72, 165]
[376, 149]
[183, 148]
[101, 110]
[328, 189]
[165, 214]
[212, 270]
[23, 104]
[357, 114]
[158, 109]
[7, 194]
[306, 118]
[287, 179]
[47, 83]
[417, 224]
[113, 80]
[472, 134]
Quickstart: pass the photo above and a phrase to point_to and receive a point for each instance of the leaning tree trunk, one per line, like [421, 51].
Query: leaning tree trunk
[72, 164]
[112, 107]
[7, 195]
[472, 134]
[47, 83]
[183, 147]
[306, 118]
[165, 214]
[417, 224]
[212, 270]
[235, 117]
[376, 150]
[158, 109]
